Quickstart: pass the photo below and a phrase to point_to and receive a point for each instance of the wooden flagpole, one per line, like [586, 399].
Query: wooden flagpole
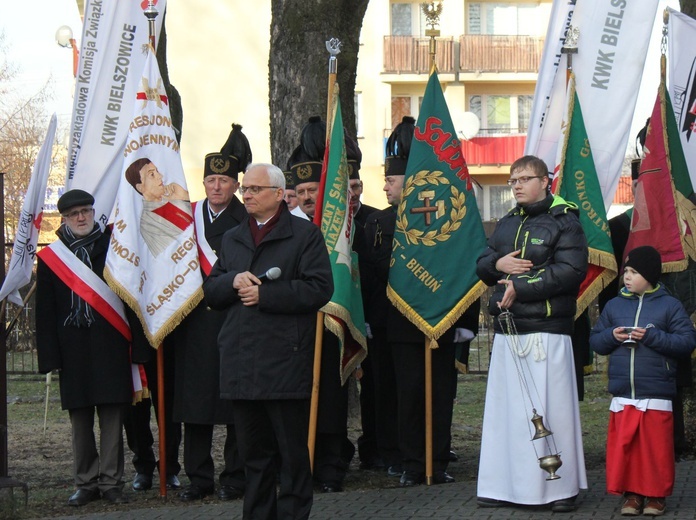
[428, 413]
[151, 14]
[316, 378]
[161, 423]
[334, 48]
[432, 14]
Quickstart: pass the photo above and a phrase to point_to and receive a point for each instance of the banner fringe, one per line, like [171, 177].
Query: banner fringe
[433, 333]
[174, 320]
[593, 290]
[332, 310]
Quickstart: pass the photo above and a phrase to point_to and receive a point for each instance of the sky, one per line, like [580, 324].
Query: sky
[30, 30]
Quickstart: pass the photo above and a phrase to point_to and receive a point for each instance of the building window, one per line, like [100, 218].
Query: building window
[507, 18]
[407, 19]
[401, 20]
[493, 202]
[501, 114]
[401, 106]
[404, 106]
[524, 112]
[501, 201]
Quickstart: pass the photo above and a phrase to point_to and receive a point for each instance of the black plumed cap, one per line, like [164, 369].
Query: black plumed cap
[313, 139]
[236, 150]
[399, 147]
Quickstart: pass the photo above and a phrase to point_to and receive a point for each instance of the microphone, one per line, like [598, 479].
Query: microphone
[272, 274]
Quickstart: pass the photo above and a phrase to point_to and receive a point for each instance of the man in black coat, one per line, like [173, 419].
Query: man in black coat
[197, 400]
[267, 341]
[398, 353]
[74, 337]
[333, 450]
[367, 442]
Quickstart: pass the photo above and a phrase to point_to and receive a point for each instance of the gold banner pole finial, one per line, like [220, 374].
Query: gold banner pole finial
[432, 11]
[151, 14]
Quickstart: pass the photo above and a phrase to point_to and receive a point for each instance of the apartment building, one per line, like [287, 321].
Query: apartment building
[488, 55]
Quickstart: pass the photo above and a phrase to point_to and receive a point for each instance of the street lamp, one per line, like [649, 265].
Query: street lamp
[64, 38]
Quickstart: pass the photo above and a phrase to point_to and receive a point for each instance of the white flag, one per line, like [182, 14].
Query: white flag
[27, 236]
[152, 262]
[551, 62]
[608, 67]
[681, 62]
[112, 55]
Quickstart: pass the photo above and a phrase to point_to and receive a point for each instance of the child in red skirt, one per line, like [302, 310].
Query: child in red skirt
[644, 331]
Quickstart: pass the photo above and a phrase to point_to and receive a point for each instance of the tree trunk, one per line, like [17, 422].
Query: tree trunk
[298, 65]
[175, 107]
[688, 7]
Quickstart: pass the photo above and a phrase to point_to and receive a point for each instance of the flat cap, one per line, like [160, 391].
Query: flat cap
[73, 198]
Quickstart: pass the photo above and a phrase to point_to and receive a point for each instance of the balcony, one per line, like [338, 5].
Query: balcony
[411, 55]
[471, 53]
[494, 53]
[493, 149]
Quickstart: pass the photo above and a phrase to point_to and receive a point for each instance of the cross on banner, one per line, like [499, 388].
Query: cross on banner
[427, 209]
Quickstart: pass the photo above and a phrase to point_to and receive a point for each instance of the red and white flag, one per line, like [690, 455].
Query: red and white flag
[29, 223]
[152, 262]
[112, 56]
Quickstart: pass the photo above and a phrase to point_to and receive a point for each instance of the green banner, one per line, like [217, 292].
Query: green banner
[344, 314]
[439, 234]
[577, 183]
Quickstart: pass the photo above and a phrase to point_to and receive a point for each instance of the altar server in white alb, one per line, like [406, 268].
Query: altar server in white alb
[536, 259]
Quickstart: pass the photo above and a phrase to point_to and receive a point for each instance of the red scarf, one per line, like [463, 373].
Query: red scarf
[259, 234]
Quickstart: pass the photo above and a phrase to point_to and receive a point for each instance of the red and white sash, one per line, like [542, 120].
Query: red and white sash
[87, 285]
[206, 255]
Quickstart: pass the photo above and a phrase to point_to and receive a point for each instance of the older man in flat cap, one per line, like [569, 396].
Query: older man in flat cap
[77, 337]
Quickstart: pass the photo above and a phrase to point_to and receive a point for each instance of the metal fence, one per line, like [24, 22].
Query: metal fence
[21, 340]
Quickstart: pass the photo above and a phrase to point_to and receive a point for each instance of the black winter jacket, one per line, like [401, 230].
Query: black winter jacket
[266, 350]
[550, 235]
[647, 370]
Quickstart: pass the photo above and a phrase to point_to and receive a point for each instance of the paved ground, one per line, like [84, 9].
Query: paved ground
[444, 502]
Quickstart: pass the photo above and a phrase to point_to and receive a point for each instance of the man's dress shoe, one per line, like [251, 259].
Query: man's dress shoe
[142, 482]
[83, 496]
[193, 492]
[230, 493]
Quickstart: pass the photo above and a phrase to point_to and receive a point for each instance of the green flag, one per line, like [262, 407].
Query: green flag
[576, 181]
[439, 234]
[344, 314]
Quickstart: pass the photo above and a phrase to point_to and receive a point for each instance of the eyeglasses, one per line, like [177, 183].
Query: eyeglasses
[254, 190]
[524, 179]
[84, 212]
